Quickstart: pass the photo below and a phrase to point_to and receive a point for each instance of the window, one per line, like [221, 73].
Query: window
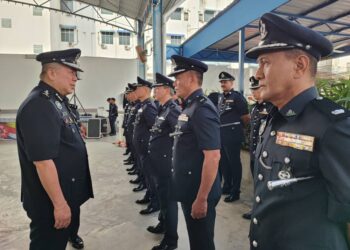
[124, 38]
[37, 49]
[37, 11]
[186, 16]
[107, 37]
[208, 14]
[6, 23]
[175, 39]
[176, 15]
[106, 12]
[67, 35]
[67, 5]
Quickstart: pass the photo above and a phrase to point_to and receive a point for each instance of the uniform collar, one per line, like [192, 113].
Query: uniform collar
[192, 96]
[44, 86]
[294, 107]
[167, 103]
[228, 93]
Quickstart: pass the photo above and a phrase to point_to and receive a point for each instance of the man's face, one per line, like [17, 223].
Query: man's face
[182, 84]
[65, 79]
[159, 92]
[275, 75]
[226, 85]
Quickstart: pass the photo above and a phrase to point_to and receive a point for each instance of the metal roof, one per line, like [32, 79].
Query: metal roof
[135, 9]
[330, 17]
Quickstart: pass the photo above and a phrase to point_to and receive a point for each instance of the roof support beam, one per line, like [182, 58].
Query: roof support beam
[230, 20]
[241, 57]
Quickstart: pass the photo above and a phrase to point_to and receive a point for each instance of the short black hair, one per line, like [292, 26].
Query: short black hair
[108, 99]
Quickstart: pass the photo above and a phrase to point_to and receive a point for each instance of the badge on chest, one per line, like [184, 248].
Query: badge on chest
[298, 141]
[183, 118]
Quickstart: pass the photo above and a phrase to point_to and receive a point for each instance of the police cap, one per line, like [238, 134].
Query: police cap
[278, 33]
[184, 64]
[68, 57]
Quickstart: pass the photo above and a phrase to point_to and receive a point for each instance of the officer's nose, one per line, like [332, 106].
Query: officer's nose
[259, 74]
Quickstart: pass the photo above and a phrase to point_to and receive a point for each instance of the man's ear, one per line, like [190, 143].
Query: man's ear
[302, 65]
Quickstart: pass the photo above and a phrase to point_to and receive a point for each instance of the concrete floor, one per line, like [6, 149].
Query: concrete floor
[111, 220]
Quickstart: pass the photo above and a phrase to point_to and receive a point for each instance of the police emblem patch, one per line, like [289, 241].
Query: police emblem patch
[284, 174]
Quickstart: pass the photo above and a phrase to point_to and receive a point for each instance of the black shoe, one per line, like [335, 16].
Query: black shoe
[164, 246]
[149, 210]
[127, 159]
[126, 153]
[139, 188]
[136, 181]
[225, 191]
[248, 215]
[76, 242]
[131, 169]
[144, 200]
[232, 198]
[159, 229]
[129, 163]
[111, 134]
[132, 172]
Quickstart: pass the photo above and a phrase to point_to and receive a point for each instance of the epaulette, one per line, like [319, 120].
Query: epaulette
[330, 109]
[202, 99]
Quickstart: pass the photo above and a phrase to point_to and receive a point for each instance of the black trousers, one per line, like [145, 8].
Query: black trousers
[231, 167]
[43, 235]
[168, 210]
[200, 231]
[112, 124]
[150, 181]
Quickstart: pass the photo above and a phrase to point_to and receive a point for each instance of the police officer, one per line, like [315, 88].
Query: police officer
[54, 163]
[302, 169]
[196, 154]
[160, 154]
[258, 115]
[144, 121]
[127, 107]
[234, 114]
[112, 114]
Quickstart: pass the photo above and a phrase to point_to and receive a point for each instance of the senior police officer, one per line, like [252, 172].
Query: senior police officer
[302, 172]
[160, 154]
[234, 114]
[54, 163]
[196, 154]
[144, 121]
[258, 115]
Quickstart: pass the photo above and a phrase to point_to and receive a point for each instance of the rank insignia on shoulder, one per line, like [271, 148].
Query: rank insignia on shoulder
[183, 118]
[290, 113]
[46, 93]
[298, 141]
[58, 105]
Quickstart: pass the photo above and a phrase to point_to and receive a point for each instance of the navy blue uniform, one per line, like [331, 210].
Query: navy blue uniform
[232, 106]
[257, 116]
[309, 137]
[160, 154]
[197, 129]
[144, 121]
[112, 116]
[47, 129]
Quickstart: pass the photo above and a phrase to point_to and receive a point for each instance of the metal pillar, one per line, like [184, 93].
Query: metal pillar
[241, 60]
[141, 42]
[157, 37]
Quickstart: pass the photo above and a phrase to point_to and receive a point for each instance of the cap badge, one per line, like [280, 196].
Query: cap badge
[263, 30]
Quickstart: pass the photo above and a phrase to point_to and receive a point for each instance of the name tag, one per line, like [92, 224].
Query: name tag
[229, 101]
[183, 118]
[298, 141]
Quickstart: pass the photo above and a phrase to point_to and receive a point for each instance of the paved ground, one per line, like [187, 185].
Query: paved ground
[111, 220]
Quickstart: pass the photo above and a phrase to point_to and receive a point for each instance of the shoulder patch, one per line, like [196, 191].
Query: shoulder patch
[46, 94]
[331, 109]
[202, 99]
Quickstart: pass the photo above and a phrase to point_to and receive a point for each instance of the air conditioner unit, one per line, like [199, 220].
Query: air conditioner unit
[103, 46]
[200, 16]
[127, 47]
[70, 44]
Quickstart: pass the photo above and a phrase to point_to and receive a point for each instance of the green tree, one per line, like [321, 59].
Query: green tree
[336, 90]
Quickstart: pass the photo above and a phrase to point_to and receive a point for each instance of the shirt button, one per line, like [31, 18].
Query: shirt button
[255, 221]
[273, 133]
[255, 244]
[264, 154]
[172, 158]
[189, 172]
[260, 177]
[286, 160]
[149, 151]
[172, 170]
[257, 199]
[73, 179]
[164, 156]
